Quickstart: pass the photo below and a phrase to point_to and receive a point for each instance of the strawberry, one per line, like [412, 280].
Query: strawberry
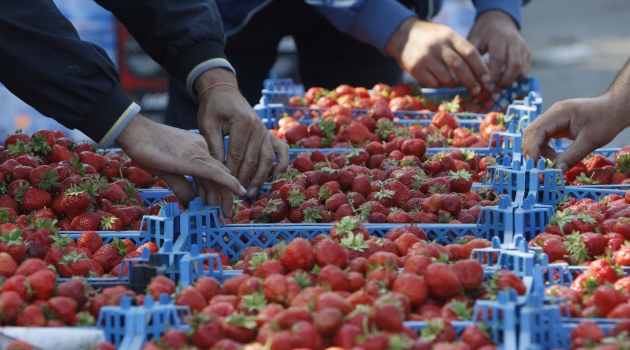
[442, 280]
[63, 307]
[298, 255]
[74, 264]
[139, 177]
[460, 181]
[296, 133]
[414, 147]
[42, 283]
[110, 255]
[10, 304]
[477, 336]
[88, 221]
[76, 201]
[303, 164]
[13, 244]
[31, 316]
[7, 265]
[191, 297]
[115, 194]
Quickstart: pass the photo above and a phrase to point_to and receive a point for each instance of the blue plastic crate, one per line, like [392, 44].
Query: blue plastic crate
[129, 327]
[509, 219]
[280, 90]
[499, 315]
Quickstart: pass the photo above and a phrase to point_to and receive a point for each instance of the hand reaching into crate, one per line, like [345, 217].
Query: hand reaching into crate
[432, 52]
[252, 149]
[590, 122]
[496, 33]
[171, 153]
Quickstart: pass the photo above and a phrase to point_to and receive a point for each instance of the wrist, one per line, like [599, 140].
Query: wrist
[214, 76]
[497, 15]
[616, 105]
[397, 42]
[129, 135]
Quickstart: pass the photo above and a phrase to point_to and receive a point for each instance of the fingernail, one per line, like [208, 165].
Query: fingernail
[491, 87]
[476, 90]
[486, 78]
[243, 190]
[253, 192]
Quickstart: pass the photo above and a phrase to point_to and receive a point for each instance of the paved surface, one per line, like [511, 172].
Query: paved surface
[578, 46]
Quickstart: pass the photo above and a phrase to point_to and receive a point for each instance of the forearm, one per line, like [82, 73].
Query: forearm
[46, 65]
[184, 36]
[373, 22]
[619, 92]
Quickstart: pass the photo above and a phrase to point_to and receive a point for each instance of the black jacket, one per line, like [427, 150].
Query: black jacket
[45, 64]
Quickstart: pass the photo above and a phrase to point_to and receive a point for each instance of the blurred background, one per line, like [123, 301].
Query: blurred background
[578, 46]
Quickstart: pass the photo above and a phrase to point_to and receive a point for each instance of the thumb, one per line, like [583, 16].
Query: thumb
[577, 151]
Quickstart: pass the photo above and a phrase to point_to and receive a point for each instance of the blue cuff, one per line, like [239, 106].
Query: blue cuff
[378, 20]
[119, 126]
[511, 7]
[202, 67]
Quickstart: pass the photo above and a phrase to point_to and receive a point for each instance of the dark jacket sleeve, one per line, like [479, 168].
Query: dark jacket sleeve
[45, 64]
[177, 34]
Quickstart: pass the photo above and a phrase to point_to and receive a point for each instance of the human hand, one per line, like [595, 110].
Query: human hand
[251, 149]
[590, 122]
[432, 52]
[495, 33]
[171, 153]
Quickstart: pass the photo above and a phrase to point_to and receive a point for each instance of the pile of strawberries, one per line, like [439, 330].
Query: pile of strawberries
[337, 128]
[395, 182]
[599, 170]
[400, 97]
[47, 176]
[321, 293]
[583, 230]
[588, 334]
[32, 295]
[89, 256]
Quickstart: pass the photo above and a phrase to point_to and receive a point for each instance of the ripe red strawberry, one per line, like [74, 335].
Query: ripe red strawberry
[42, 283]
[345, 210]
[10, 304]
[139, 177]
[303, 164]
[96, 160]
[477, 336]
[296, 133]
[88, 221]
[356, 133]
[63, 307]
[111, 223]
[110, 255]
[74, 264]
[298, 255]
[451, 203]
[31, 316]
[13, 244]
[76, 201]
[460, 181]
[398, 217]
[335, 201]
[90, 240]
[191, 297]
[115, 194]
[442, 280]
[414, 147]
[276, 210]
[7, 265]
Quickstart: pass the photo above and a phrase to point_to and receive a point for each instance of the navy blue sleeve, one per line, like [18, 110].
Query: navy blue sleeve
[47, 66]
[180, 35]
